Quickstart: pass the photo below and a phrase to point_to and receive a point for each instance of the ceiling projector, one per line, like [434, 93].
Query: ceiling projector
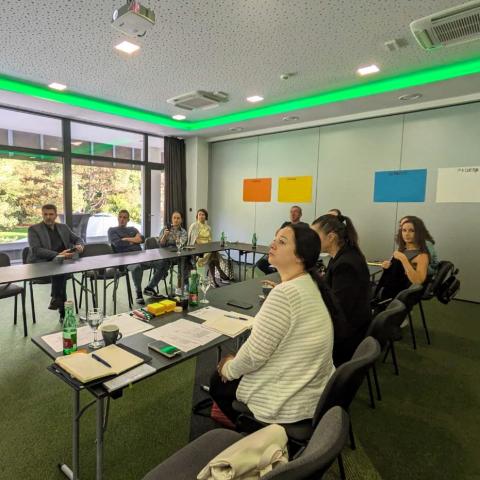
[133, 19]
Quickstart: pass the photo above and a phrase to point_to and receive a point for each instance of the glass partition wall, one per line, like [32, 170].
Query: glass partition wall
[89, 172]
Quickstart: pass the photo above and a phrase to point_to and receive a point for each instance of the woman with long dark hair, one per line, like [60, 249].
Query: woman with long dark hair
[281, 370]
[429, 241]
[348, 277]
[409, 263]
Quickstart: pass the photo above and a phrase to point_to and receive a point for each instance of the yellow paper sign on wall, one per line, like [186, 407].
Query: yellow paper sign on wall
[295, 189]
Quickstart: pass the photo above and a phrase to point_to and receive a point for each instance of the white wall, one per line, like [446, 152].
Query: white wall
[342, 160]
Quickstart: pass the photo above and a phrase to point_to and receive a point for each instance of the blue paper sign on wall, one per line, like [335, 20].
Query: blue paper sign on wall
[400, 186]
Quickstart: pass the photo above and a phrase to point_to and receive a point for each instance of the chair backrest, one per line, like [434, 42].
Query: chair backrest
[345, 382]
[411, 296]
[93, 249]
[384, 324]
[151, 243]
[25, 254]
[323, 448]
[4, 260]
[442, 271]
[448, 284]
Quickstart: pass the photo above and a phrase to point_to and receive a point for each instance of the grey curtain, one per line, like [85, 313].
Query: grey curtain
[175, 177]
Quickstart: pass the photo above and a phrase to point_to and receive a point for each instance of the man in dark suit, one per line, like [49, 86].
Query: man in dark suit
[48, 239]
[295, 216]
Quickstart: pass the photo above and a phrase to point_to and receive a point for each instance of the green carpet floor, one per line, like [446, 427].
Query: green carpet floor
[426, 427]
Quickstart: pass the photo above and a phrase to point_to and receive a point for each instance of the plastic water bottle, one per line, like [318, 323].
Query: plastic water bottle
[254, 241]
[69, 329]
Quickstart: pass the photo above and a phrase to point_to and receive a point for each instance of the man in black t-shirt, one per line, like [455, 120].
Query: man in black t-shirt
[295, 216]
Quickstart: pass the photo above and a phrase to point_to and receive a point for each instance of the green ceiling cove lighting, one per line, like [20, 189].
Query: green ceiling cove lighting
[407, 80]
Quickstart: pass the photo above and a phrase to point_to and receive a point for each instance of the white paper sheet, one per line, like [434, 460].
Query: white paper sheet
[207, 313]
[127, 325]
[183, 334]
[458, 185]
[224, 321]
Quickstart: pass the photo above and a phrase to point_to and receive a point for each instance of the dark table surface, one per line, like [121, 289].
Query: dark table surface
[30, 271]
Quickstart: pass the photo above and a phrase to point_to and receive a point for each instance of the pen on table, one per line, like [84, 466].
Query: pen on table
[101, 360]
[236, 317]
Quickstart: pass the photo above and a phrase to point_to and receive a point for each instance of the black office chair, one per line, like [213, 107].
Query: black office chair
[110, 276]
[43, 281]
[444, 270]
[384, 328]
[324, 446]
[151, 243]
[410, 297]
[340, 390]
[8, 290]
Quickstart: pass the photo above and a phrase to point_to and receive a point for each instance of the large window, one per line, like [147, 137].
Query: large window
[19, 129]
[107, 175]
[26, 183]
[100, 190]
[106, 142]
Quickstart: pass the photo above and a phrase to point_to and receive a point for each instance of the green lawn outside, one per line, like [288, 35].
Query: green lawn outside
[14, 234]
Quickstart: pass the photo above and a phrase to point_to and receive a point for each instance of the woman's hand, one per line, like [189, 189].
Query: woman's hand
[400, 256]
[269, 283]
[386, 264]
[223, 361]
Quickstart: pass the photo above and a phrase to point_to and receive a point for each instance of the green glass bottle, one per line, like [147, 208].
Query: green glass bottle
[69, 329]
[222, 239]
[254, 240]
[193, 289]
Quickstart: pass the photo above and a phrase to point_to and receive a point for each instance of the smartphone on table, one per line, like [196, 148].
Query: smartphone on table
[164, 349]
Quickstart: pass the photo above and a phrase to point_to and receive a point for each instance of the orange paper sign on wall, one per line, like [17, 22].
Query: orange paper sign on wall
[257, 189]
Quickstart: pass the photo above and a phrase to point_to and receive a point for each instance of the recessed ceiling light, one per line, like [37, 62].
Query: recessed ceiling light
[179, 117]
[290, 118]
[236, 129]
[55, 149]
[368, 70]
[254, 99]
[57, 86]
[409, 97]
[76, 144]
[127, 47]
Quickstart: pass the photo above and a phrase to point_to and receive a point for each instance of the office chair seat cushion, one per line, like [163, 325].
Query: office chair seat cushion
[298, 431]
[187, 462]
[105, 273]
[10, 290]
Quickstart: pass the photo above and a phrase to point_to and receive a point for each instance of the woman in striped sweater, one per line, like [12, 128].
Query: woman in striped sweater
[283, 367]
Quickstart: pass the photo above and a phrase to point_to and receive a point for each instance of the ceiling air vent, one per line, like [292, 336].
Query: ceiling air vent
[450, 27]
[199, 100]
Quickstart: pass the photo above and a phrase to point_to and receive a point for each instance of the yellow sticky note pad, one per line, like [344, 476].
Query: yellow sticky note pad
[295, 189]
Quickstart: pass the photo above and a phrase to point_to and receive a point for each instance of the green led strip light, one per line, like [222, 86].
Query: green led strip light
[377, 87]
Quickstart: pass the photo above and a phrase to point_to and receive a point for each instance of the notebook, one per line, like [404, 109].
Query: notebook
[84, 367]
[231, 324]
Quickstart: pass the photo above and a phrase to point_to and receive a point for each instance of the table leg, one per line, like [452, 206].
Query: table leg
[181, 266]
[253, 266]
[240, 253]
[72, 473]
[100, 429]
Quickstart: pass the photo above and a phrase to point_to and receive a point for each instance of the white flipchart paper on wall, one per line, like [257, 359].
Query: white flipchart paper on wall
[458, 185]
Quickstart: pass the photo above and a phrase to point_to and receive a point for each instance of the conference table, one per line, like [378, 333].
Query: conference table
[33, 271]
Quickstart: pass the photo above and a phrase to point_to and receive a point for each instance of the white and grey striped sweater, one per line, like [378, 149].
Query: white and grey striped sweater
[287, 360]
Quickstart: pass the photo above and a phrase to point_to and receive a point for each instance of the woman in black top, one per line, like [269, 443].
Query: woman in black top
[348, 277]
